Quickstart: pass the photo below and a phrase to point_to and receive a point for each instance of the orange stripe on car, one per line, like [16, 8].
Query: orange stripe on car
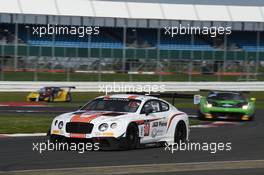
[172, 117]
[84, 119]
[107, 97]
[132, 97]
[140, 122]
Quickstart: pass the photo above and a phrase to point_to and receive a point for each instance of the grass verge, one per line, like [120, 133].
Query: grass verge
[24, 123]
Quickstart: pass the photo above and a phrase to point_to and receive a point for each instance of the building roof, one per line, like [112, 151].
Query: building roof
[195, 10]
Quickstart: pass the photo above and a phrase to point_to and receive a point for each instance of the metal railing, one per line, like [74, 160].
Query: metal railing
[23, 86]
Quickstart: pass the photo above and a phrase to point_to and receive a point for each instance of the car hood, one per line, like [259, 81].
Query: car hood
[89, 116]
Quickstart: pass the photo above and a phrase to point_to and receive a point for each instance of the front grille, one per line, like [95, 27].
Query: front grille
[78, 127]
[223, 105]
[227, 114]
[227, 106]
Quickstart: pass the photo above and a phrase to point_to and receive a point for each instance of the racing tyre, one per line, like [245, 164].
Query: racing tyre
[180, 133]
[132, 138]
[200, 115]
[252, 117]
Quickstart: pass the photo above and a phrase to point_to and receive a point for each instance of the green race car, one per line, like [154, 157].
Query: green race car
[226, 105]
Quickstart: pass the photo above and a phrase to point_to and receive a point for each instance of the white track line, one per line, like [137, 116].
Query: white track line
[23, 135]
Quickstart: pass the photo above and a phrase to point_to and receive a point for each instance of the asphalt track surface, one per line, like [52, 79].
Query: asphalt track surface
[247, 144]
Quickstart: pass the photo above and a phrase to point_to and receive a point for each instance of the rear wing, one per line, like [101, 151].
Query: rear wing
[71, 87]
[172, 95]
[65, 87]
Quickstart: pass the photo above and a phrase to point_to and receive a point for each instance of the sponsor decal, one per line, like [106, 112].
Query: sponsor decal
[108, 134]
[141, 122]
[159, 124]
[116, 99]
[141, 131]
[155, 124]
[156, 132]
[56, 132]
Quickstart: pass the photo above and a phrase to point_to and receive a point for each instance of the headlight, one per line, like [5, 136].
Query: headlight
[245, 107]
[103, 127]
[113, 125]
[209, 105]
[60, 125]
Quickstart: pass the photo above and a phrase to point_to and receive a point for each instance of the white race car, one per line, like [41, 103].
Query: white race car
[123, 121]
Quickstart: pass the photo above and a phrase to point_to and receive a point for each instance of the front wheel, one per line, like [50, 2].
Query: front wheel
[200, 115]
[180, 134]
[252, 117]
[132, 137]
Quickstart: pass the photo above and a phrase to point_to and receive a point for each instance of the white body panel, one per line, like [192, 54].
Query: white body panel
[154, 127]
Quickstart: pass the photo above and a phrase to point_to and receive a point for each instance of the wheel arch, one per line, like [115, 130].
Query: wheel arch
[174, 123]
[131, 123]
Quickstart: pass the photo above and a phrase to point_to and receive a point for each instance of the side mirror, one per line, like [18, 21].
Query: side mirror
[148, 111]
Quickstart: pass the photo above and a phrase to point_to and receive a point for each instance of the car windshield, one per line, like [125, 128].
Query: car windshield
[225, 96]
[112, 104]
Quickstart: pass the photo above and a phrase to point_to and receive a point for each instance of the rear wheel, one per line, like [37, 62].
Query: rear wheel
[180, 132]
[132, 138]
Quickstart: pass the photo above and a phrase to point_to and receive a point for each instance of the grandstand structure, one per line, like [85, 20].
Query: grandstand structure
[132, 36]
